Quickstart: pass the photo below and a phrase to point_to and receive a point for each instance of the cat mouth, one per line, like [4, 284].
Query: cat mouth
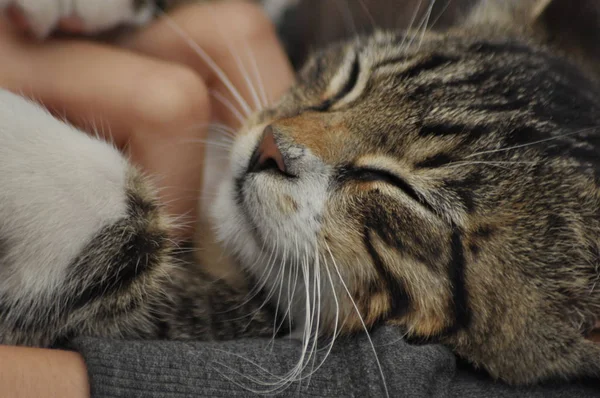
[245, 209]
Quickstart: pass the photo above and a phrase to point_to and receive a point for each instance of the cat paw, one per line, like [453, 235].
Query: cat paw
[42, 17]
[84, 242]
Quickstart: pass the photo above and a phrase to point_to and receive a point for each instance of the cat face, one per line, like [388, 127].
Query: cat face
[445, 183]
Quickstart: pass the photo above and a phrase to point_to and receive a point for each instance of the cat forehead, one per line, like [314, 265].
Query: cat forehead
[442, 94]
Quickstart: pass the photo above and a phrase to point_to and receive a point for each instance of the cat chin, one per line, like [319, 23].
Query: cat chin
[271, 225]
[274, 271]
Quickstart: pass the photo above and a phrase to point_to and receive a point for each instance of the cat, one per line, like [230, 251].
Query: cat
[445, 182]
[442, 181]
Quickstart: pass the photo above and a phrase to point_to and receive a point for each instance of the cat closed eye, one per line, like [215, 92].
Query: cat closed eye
[365, 174]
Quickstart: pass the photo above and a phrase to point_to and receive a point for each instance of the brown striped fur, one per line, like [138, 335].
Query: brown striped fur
[462, 196]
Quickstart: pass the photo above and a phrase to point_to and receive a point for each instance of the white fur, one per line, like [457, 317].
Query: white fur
[58, 188]
[289, 238]
[97, 15]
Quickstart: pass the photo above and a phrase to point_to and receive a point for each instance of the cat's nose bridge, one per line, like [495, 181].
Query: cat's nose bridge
[322, 137]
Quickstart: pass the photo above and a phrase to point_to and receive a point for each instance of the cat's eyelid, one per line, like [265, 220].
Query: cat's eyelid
[375, 174]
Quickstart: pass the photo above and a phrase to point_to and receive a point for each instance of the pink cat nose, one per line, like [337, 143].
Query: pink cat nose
[267, 156]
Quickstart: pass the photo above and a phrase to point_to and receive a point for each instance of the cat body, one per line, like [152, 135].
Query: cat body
[445, 182]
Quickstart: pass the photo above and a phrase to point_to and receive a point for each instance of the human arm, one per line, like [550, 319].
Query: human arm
[34, 372]
[154, 95]
[154, 104]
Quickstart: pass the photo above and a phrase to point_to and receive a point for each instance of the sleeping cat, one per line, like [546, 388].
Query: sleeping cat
[445, 182]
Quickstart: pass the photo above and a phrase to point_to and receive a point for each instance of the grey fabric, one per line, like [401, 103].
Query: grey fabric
[199, 369]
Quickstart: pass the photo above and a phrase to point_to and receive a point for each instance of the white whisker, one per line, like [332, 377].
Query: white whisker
[261, 86]
[217, 144]
[501, 164]
[225, 102]
[410, 25]
[240, 65]
[346, 16]
[582, 131]
[209, 62]
[422, 27]
[426, 24]
[387, 394]
[435, 21]
[368, 13]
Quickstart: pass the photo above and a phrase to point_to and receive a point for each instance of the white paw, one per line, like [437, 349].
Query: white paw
[44, 16]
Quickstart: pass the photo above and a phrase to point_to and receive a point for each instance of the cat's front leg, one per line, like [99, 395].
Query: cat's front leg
[84, 246]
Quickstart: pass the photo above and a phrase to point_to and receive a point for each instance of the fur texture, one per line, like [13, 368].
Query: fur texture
[445, 182]
[86, 250]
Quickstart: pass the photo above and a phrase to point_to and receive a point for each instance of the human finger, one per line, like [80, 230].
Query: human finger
[247, 69]
[155, 108]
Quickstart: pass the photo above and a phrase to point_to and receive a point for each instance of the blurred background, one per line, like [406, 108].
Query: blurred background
[310, 24]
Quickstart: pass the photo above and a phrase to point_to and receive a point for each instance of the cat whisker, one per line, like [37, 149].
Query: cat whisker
[206, 142]
[251, 379]
[224, 135]
[261, 86]
[501, 164]
[207, 59]
[185, 250]
[293, 292]
[281, 382]
[403, 45]
[222, 142]
[267, 299]
[241, 67]
[315, 318]
[227, 104]
[277, 282]
[426, 24]
[290, 292]
[224, 128]
[368, 13]
[262, 279]
[574, 133]
[265, 280]
[346, 14]
[329, 347]
[422, 27]
[337, 270]
[309, 315]
[441, 13]
[220, 127]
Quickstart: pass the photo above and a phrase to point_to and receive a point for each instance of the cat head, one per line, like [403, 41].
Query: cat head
[445, 182]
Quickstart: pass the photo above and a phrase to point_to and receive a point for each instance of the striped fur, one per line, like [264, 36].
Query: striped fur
[447, 180]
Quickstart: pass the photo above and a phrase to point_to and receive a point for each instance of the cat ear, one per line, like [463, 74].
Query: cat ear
[572, 26]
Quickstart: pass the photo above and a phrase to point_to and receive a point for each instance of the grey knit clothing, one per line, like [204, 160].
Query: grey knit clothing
[215, 369]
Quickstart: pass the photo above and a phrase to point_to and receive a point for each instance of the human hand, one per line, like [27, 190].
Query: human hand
[151, 96]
